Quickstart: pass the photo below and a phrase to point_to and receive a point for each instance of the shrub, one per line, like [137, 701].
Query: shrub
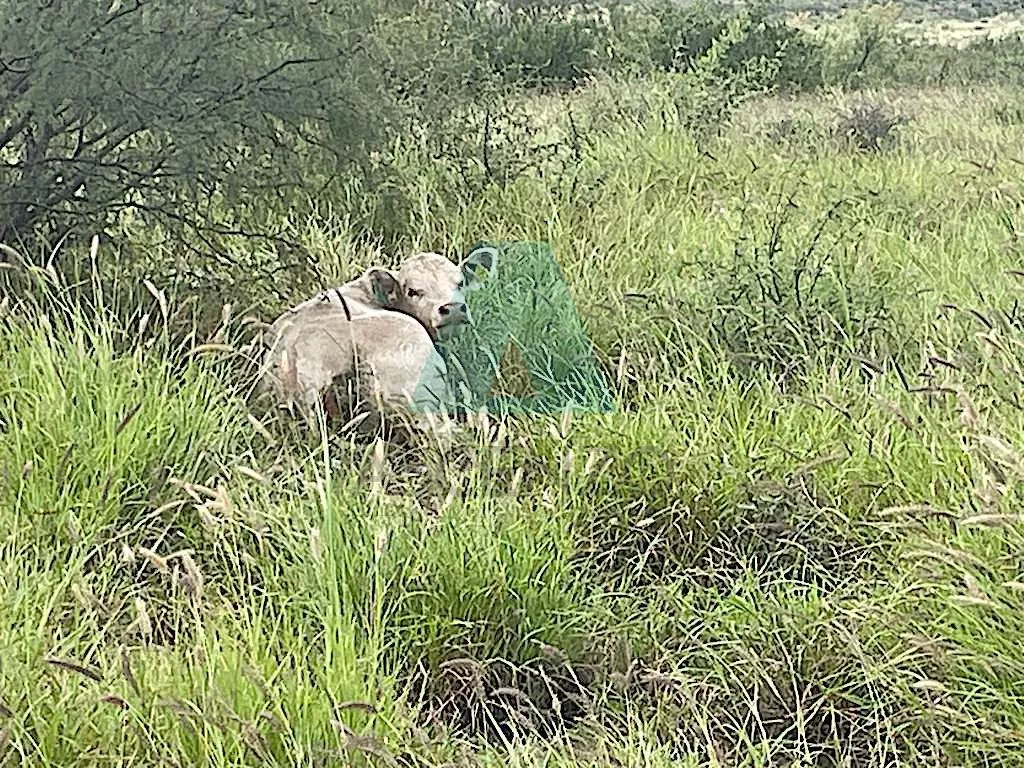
[540, 44]
[869, 126]
[708, 94]
[861, 45]
[682, 33]
[788, 301]
[212, 123]
[678, 35]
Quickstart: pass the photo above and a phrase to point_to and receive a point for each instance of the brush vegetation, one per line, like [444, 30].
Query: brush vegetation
[796, 541]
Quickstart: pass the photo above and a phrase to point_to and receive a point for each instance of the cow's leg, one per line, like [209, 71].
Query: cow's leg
[330, 404]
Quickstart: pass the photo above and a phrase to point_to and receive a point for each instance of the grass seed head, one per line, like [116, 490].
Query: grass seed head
[1001, 451]
[568, 462]
[968, 412]
[195, 580]
[316, 545]
[517, 480]
[377, 466]
[142, 621]
[155, 560]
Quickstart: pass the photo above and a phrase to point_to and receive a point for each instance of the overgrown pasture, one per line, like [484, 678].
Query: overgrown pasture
[795, 541]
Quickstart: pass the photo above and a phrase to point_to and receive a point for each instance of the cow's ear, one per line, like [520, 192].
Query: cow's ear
[385, 287]
[479, 265]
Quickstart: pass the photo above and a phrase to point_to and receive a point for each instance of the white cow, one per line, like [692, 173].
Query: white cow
[427, 286]
[369, 344]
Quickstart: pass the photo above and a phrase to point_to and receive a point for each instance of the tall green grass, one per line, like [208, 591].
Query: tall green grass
[795, 542]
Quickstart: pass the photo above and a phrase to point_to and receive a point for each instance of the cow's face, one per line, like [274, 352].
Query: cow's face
[434, 289]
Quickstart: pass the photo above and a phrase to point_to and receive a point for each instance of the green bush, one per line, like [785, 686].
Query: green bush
[865, 49]
[869, 126]
[708, 93]
[212, 124]
[677, 35]
[541, 45]
[789, 300]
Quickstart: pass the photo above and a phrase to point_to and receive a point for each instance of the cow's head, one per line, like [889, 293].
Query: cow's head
[434, 290]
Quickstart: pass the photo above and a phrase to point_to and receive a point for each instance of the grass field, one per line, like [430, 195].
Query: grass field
[796, 542]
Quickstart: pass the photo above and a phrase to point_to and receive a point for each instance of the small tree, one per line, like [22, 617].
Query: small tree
[208, 118]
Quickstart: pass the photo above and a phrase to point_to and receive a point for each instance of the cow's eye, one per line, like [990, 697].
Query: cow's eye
[413, 293]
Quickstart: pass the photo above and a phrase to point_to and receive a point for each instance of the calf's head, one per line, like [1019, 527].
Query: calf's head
[434, 290]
